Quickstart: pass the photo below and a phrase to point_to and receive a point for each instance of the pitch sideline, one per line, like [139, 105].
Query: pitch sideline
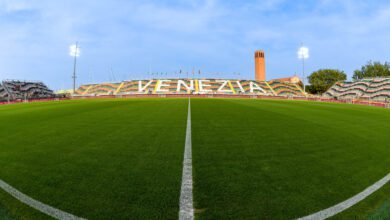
[46, 209]
[329, 212]
[186, 198]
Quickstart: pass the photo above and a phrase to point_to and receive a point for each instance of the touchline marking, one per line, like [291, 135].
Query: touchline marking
[329, 212]
[48, 210]
[186, 200]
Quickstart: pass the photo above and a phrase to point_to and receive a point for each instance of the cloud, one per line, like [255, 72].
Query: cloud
[11, 6]
[216, 35]
[194, 17]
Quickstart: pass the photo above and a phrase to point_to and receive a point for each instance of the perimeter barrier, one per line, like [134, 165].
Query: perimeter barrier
[314, 99]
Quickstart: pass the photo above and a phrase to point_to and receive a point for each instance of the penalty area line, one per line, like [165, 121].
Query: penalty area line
[329, 212]
[186, 199]
[46, 209]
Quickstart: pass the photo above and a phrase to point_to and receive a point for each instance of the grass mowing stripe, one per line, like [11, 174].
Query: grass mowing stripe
[382, 212]
[264, 160]
[329, 212]
[4, 214]
[186, 198]
[48, 210]
[109, 159]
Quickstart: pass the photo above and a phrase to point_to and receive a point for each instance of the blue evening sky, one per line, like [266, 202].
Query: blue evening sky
[126, 39]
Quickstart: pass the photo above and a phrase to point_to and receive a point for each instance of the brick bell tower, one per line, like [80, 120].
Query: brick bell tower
[259, 65]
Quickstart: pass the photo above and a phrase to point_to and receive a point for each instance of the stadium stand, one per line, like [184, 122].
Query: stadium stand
[128, 87]
[348, 90]
[3, 93]
[82, 89]
[104, 88]
[192, 86]
[285, 88]
[376, 89]
[15, 89]
[379, 90]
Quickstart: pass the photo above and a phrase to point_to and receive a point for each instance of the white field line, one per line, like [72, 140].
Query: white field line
[186, 200]
[329, 212]
[48, 210]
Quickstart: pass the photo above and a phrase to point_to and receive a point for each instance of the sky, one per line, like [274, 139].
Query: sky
[125, 40]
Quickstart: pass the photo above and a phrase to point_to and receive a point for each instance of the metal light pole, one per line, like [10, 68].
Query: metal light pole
[303, 74]
[75, 52]
[303, 53]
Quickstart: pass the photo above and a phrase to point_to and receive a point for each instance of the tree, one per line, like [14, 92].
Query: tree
[321, 80]
[372, 69]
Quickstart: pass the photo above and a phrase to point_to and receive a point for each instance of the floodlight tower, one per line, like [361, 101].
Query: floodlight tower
[303, 54]
[74, 52]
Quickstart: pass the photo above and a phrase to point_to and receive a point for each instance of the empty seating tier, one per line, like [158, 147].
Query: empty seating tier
[192, 86]
[15, 89]
[377, 89]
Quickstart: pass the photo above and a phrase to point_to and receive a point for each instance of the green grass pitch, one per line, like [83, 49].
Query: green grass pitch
[284, 159]
[252, 159]
[101, 159]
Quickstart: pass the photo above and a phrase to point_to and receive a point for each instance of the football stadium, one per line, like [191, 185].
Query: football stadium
[190, 146]
[196, 148]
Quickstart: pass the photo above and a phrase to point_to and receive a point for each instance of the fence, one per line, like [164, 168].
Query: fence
[314, 99]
